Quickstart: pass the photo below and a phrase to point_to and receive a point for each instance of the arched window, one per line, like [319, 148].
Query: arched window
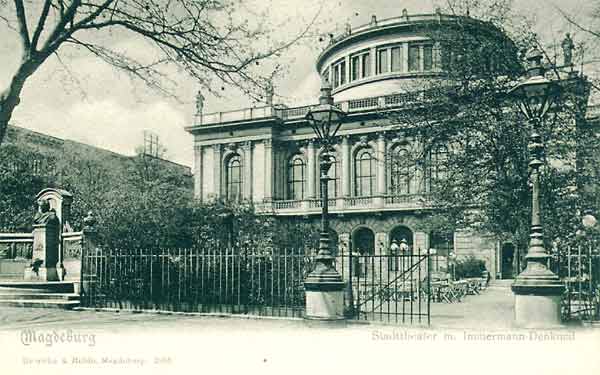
[437, 164]
[296, 178]
[233, 175]
[333, 185]
[364, 173]
[401, 171]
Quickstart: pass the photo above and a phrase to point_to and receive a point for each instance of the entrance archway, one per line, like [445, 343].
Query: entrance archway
[508, 256]
[363, 241]
[401, 232]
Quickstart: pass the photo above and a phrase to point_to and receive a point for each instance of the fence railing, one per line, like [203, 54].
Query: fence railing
[16, 245]
[197, 280]
[579, 268]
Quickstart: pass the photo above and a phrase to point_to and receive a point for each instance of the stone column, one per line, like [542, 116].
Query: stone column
[217, 156]
[311, 165]
[381, 154]
[347, 70]
[346, 160]
[268, 170]
[198, 172]
[373, 53]
[248, 165]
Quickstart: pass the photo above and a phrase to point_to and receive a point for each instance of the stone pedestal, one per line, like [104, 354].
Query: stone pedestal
[89, 246]
[324, 294]
[535, 311]
[45, 264]
[538, 295]
[325, 301]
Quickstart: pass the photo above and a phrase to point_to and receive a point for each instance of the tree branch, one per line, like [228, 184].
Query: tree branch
[23, 30]
[40, 26]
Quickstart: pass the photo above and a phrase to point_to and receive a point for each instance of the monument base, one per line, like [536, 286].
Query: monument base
[42, 274]
[538, 311]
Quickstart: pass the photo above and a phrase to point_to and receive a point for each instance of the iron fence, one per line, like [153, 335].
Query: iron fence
[579, 268]
[387, 287]
[218, 280]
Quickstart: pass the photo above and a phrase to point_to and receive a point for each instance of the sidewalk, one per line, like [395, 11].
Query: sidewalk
[474, 336]
[492, 309]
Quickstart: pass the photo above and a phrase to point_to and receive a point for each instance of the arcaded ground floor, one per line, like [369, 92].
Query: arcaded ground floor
[373, 233]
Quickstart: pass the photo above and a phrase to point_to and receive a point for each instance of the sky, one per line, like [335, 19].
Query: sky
[81, 98]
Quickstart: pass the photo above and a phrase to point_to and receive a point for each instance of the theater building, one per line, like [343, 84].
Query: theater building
[268, 154]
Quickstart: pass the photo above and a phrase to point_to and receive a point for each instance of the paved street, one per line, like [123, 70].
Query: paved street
[472, 335]
[492, 308]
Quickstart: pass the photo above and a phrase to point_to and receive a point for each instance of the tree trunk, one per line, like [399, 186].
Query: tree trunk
[9, 99]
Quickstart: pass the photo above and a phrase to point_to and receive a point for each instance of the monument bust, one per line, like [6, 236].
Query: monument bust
[45, 214]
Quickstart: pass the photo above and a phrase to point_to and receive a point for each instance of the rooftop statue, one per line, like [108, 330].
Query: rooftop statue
[568, 46]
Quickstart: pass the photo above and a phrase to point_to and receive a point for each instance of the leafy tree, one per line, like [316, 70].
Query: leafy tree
[21, 178]
[206, 38]
[482, 181]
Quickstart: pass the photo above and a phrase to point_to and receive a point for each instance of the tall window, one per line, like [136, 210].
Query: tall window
[366, 64]
[436, 165]
[233, 175]
[414, 57]
[355, 67]
[442, 242]
[333, 184]
[296, 178]
[339, 73]
[427, 57]
[382, 61]
[396, 54]
[401, 171]
[360, 65]
[364, 173]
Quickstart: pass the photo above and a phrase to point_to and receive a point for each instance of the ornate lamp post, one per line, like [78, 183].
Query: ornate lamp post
[537, 290]
[324, 285]
[588, 220]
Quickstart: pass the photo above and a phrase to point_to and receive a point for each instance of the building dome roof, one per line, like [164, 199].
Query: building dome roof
[393, 55]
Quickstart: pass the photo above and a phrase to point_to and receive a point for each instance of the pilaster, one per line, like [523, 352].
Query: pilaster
[198, 172]
[312, 170]
[381, 155]
[268, 170]
[218, 167]
[248, 162]
[346, 160]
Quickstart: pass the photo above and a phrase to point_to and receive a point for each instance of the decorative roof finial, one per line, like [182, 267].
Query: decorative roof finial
[405, 14]
[373, 20]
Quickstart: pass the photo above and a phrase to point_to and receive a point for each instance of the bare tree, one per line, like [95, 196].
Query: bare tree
[207, 38]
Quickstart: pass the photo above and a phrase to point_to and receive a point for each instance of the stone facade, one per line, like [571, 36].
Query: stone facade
[269, 156]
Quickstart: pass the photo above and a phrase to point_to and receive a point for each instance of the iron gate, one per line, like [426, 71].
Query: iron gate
[387, 287]
[579, 268]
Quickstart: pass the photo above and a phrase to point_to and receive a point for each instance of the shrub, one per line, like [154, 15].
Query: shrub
[469, 267]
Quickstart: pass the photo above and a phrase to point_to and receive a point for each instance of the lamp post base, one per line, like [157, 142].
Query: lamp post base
[324, 289]
[538, 296]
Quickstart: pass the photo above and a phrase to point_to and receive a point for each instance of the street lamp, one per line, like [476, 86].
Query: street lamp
[324, 284]
[537, 289]
[588, 220]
